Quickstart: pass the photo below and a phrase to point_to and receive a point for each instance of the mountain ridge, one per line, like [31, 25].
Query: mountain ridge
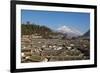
[71, 32]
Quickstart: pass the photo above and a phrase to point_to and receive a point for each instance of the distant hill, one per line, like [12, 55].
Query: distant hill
[87, 34]
[28, 29]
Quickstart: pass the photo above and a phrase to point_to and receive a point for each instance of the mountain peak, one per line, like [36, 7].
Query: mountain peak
[69, 31]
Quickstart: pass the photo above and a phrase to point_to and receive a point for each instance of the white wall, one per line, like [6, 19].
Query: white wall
[5, 37]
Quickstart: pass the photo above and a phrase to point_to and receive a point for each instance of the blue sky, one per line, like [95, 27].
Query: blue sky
[54, 20]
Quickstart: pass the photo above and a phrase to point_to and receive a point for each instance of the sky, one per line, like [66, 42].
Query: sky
[54, 20]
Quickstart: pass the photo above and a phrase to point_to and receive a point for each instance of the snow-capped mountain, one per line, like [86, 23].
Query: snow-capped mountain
[72, 32]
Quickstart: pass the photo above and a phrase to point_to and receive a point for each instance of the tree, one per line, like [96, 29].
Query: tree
[28, 22]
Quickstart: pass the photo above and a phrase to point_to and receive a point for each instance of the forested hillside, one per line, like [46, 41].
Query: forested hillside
[28, 29]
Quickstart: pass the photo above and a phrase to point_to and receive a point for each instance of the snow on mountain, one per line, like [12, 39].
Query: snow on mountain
[69, 31]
